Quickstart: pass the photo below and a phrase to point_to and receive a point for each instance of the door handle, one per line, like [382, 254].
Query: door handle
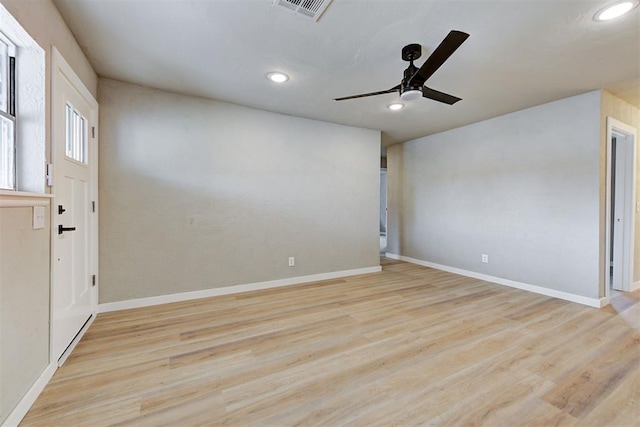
[62, 229]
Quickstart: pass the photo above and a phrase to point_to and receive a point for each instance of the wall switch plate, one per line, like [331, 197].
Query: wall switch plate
[292, 261]
[485, 258]
[38, 217]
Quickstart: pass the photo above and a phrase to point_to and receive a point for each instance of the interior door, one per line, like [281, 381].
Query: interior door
[621, 212]
[617, 210]
[73, 299]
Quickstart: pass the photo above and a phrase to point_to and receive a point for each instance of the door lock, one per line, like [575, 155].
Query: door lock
[62, 229]
[61, 210]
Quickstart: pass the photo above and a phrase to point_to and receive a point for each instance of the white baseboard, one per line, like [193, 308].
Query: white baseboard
[591, 302]
[32, 394]
[227, 290]
[30, 397]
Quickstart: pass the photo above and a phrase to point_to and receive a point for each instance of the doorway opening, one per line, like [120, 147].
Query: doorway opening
[383, 211]
[620, 207]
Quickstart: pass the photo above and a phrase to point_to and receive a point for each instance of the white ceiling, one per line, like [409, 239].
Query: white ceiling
[521, 53]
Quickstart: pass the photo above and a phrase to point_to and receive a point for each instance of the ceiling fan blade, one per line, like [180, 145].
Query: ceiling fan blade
[446, 48]
[382, 92]
[439, 96]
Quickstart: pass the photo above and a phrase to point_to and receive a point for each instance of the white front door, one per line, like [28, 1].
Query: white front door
[73, 298]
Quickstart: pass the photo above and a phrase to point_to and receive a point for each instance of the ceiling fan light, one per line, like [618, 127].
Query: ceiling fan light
[395, 106]
[411, 94]
[615, 10]
[277, 77]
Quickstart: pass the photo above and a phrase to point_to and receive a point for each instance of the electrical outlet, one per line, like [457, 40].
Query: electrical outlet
[485, 258]
[292, 261]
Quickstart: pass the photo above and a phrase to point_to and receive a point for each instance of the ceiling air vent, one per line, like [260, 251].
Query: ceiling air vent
[307, 8]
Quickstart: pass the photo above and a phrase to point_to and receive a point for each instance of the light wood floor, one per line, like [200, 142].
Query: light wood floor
[407, 346]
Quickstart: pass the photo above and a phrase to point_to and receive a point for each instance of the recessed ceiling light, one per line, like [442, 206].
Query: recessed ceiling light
[277, 77]
[395, 106]
[615, 10]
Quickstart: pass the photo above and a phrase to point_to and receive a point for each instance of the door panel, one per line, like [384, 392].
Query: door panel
[618, 217]
[73, 299]
[622, 212]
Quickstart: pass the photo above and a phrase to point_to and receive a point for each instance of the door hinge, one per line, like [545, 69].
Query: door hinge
[93, 206]
[93, 131]
[93, 280]
[50, 175]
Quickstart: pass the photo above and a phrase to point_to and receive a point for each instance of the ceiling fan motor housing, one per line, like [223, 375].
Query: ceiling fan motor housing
[413, 90]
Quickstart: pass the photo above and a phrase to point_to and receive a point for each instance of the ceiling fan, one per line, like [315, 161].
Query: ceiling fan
[412, 86]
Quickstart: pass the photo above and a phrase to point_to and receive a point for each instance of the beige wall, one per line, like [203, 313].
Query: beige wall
[522, 188]
[24, 304]
[630, 115]
[198, 194]
[24, 253]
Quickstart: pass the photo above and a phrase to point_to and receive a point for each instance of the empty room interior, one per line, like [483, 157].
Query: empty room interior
[319, 212]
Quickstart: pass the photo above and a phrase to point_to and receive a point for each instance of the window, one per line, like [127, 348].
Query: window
[76, 140]
[7, 115]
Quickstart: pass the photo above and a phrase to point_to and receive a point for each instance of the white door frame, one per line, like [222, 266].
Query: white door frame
[617, 127]
[59, 64]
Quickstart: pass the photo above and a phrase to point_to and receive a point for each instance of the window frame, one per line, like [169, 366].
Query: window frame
[9, 74]
[76, 136]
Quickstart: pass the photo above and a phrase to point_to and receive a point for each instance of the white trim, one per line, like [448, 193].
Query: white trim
[22, 199]
[11, 46]
[59, 63]
[21, 409]
[235, 289]
[591, 302]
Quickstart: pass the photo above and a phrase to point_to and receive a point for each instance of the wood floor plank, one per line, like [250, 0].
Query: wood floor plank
[407, 346]
[580, 394]
[495, 401]
[621, 407]
[385, 393]
[534, 412]
[565, 360]
[438, 398]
